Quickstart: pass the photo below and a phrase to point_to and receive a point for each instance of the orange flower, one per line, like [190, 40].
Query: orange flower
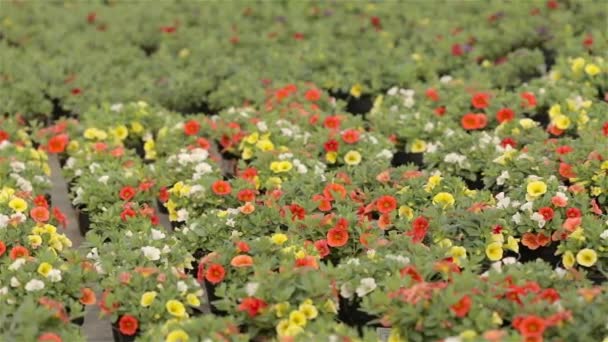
[534, 241]
[247, 208]
[386, 204]
[221, 188]
[384, 222]
[215, 273]
[241, 261]
[337, 237]
[40, 214]
[19, 252]
[88, 296]
[307, 261]
[333, 188]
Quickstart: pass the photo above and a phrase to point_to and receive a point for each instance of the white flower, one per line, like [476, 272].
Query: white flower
[93, 254]
[103, 179]
[392, 91]
[18, 218]
[455, 158]
[540, 219]
[196, 189]
[302, 169]
[4, 291]
[17, 166]
[150, 252]
[560, 272]
[516, 218]
[15, 282]
[346, 291]
[262, 127]
[251, 288]
[372, 139]
[231, 222]
[366, 285]
[182, 286]
[433, 147]
[527, 206]
[284, 156]
[128, 233]
[399, 258]
[509, 261]
[203, 168]
[157, 234]
[287, 132]
[503, 201]
[502, 178]
[445, 79]
[453, 339]
[54, 275]
[34, 285]
[429, 126]
[387, 154]
[604, 234]
[4, 221]
[17, 264]
[408, 102]
[117, 107]
[182, 215]
[353, 261]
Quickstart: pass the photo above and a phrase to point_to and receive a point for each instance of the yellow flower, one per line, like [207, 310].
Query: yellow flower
[445, 243]
[309, 310]
[193, 300]
[330, 306]
[282, 327]
[18, 204]
[577, 234]
[468, 334]
[252, 138]
[496, 319]
[458, 253]
[175, 308]
[147, 298]
[577, 64]
[280, 166]
[136, 127]
[512, 244]
[555, 110]
[395, 336]
[352, 158]
[297, 318]
[527, 123]
[44, 269]
[568, 259]
[89, 133]
[592, 70]
[433, 181]
[331, 157]
[562, 122]
[494, 251]
[278, 238]
[418, 146]
[444, 198]
[265, 145]
[73, 146]
[177, 336]
[356, 90]
[497, 238]
[586, 257]
[247, 153]
[120, 132]
[281, 309]
[34, 240]
[293, 330]
[184, 53]
[536, 188]
[274, 182]
[5, 194]
[405, 211]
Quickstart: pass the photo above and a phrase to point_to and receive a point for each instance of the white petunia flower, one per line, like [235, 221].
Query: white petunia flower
[103, 179]
[516, 218]
[17, 264]
[157, 234]
[262, 127]
[34, 285]
[366, 285]
[151, 253]
[15, 282]
[182, 286]
[4, 221]
[502, 178]
[540, 219]
[251, 288]
[346, 291]
[54, 275]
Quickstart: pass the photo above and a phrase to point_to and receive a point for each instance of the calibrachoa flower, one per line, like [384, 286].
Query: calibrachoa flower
[252, 306]
[128, 325]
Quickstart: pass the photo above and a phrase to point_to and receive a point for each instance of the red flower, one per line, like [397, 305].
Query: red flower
[440, 111]
[337, 237]
[127, 213]
[531, 326]
[588, 41]
[19, 252]
[552, 4]
[87, 296]
[471, 121]
[386, 204]
[313, 95]
[40, 201]
[376, 22]
[350, 136]
[76, 91]
[246, 195]
[60, 217]
[298, 36]
[221, 188]
[565, 149]
[508, 142]
[432, 95]
[163, 194]
[412, 272]
[505, 115]
[565, 170]
[321, 246]
[191, 127]
[605, 129]
[242, 247]
[49, 337]
[547, 213]
[462, 307]
[203, 143]
[420, 226]
[127, 193]
[534, 241]
[529, 99]
[91, 17]
[4, 136]
[297, 212]
[215, 273]
[168, 29]
[40, 214]
[332, 122]
[573, 213]
[480, 100]
[58, 143]
[252, 306]
[457, 50]
[128, 325]
[2, 248]
[331, 146]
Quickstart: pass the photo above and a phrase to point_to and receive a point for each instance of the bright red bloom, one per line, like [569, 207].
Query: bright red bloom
[480, 100]
[412, 272]
[566, 171]
[552, 4]
[529, 100]
[605, 129]
[297, 212]
[191, 127]
[457, 50]
[376, 22]
[242, 247]
[19, 252]
[440, 111]
[386, 204]
[420, 226]
[41, 201]
[87, 296]
[91, 17]
[508, 142]
[350, 136]
[76, 91]
[331, 145]
[337, 237]
[573, 213]
[163, 194]
[58, 143]
[462, 307]
[4, 136]
[60, 217]
[313, 95]
[127, 193]
[128, 325]
[221, 188]
[40, 214]
[168, 29]
[252, 306]
[588, 41]
[49, 337]
[2, 248]
[127, 213]
[547, 213]
[471, 121]
[246, 195]
[531, 326]
[332, 122]
[321, 246]
[432, 95]
[215, 273]
[564, 149]
[505, 115]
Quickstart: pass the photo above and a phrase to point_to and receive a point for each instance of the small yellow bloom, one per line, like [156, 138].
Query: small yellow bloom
[330, 306]
[193, 300]
[274, 182]
[555, 110]
[281, 309]
[586, 257]
[297, 318]
[252, 138]
[34, 240]
[44, 269]
[592, 70]
[468, 334]
[568, 259]
[562, 122]
[496, 319]
[356, 90]
[247, 153]
[445, 199]
[280, 166]
[120, 132]
[18, 204]
[175, 308]
[577, 64]
[147, 298]
[177, 336]
[265, 145]
[331, 157]
[407, 212]
[433, 181]
[458, 253]
[418, 146]
[494, 251]
[352, 158]
[527, 123]
[293, 330]
[536, 188]
[512, 244]
[278, 238]
[309, 310]
[136, 127]
[282, 327]
[445, 243]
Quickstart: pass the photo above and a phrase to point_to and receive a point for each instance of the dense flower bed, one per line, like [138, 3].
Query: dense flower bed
[343, 171]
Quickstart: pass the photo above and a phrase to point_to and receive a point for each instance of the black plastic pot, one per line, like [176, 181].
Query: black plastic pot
[403, 158]
[475, 184]
[161, 207]
[120, 337]
[361, 105]
[78, 321]
[546, 253]
[175, 224]
[49, 199]
[350, 314]
[211, 297]
[84, 221]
